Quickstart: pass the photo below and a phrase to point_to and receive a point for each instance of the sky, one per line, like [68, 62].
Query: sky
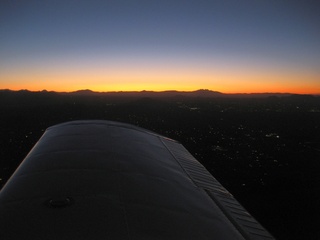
[230, 46]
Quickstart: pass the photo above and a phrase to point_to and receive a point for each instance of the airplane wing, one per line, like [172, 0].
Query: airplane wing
[109, 180]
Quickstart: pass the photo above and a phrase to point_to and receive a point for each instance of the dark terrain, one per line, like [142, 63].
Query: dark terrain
[265, 149]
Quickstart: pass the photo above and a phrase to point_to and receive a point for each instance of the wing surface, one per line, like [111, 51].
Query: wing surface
[108, 180]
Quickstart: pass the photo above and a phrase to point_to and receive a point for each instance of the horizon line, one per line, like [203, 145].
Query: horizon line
[162, 91]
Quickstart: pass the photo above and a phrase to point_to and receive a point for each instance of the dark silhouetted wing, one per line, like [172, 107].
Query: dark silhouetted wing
[109, 180]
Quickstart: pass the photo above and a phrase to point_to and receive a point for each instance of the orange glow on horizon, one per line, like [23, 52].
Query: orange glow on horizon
[160, 87]
[156, 79]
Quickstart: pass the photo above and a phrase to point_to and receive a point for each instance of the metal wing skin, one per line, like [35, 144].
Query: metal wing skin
[109, 180]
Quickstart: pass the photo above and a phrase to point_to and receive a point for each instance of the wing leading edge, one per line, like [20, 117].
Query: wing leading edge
[109, 180]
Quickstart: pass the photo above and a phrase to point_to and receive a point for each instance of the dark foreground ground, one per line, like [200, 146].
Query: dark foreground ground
[265, 151]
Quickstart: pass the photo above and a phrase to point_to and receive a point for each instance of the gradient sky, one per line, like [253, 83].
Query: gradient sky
[121, 45]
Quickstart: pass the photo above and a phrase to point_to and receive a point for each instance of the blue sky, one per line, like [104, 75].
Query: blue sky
[200, 36]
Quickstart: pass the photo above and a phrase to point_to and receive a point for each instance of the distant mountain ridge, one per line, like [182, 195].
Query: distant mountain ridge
[201, 93]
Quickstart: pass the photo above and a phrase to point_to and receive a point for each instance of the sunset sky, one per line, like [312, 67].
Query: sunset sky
[126, 45]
